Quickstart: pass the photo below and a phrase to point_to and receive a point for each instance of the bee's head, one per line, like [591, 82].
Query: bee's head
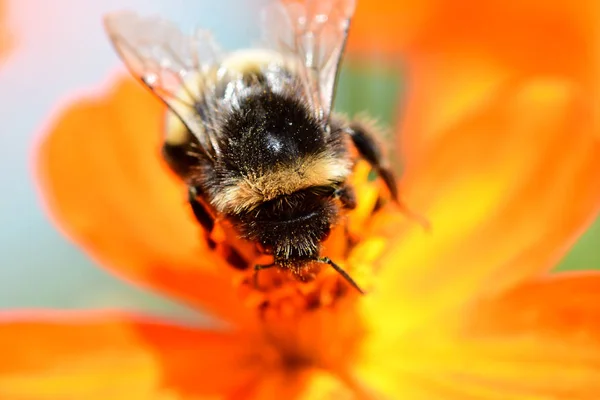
[291, 227]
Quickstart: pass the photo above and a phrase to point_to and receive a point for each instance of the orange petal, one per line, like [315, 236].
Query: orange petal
[117, 356]
[541, 340]
[506, 191]
[514, 34]
[456, 51]
[105, 184]
[386, 26]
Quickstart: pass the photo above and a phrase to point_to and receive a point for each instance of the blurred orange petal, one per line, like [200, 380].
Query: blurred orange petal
[120, 357]
[507, 191]
[457, 51]
[103, 180]
[516, 34]
[561, 306]
[386, 26]
[540, 340]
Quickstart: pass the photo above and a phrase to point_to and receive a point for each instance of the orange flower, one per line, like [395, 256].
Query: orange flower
[461, 53]
[463, 311]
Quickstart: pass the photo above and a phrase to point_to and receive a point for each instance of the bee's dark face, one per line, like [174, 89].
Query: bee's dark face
[290, 227]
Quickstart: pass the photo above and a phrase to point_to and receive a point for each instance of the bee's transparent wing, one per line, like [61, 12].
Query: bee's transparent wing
[168, 61]
[315, 32]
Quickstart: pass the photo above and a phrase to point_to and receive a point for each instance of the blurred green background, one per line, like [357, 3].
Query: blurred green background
[40, 268]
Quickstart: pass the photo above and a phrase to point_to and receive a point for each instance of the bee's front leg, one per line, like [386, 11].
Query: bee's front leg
[257, 268]
[346, 196]
[202, 215]
[368, 149]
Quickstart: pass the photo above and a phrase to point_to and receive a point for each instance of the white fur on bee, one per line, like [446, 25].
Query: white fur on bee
[234, 66]
[253, 60]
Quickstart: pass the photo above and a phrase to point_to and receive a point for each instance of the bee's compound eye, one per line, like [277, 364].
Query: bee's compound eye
[264, 248]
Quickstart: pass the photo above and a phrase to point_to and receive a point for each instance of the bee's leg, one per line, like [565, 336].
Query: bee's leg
[369, 150]
[340, 270]
[200, 211]
[180, 158]
[206, 220]
[347, 197]
[257, 268]
[202, 215]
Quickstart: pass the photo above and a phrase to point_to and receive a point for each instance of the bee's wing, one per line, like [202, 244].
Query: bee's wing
[171, 64]
[315, 31]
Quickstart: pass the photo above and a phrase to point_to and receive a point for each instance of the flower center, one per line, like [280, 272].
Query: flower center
[326, 338]
[280, 292]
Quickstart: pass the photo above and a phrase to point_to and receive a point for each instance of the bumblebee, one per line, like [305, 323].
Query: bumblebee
[251, 132]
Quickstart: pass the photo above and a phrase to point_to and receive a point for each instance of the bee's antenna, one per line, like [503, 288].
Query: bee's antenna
[340, 270]
[257, 268]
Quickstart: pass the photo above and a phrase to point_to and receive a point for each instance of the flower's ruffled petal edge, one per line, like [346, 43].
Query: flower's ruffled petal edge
[100, 355]
[103, 181]
[540, 340]
[507, 192]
